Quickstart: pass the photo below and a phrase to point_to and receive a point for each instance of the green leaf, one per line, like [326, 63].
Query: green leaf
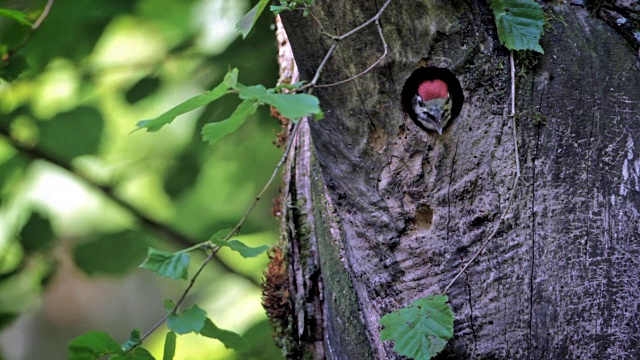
[228, 338]
[191, 320]
[219, 235]
[191, 104]
[420, 330]
[36, 234]
[93, 345]
[213, 132]
[171, 265]
[133, 341]
[258, 92]
[111, 254]
[289, 86]
[294, 106]
[16, 15]
[520, 23]
[169, 346]
[277, 9]
[135, 354]
[169, 305]
[231, 79]
[241, 248]
[245, 24]
[291, 106]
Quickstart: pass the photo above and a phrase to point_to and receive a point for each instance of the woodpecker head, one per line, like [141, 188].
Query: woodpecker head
[432, 97]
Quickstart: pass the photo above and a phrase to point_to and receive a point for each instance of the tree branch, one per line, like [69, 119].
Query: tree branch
[375, 19]
[164, 230]
[386, 50]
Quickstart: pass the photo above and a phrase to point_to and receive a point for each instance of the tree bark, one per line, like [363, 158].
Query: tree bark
[378, 213]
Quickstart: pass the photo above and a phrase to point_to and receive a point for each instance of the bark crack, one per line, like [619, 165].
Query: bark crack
[471, 323]
[453, 163]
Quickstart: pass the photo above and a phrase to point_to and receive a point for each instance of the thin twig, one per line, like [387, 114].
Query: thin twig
[236, 228]
[181, 300]
[34, 28]
[375, 19]
[234, 231]
[364, 25]
[42, 16]
[513, 109]
[320, 67]
[386, 50]
[486, 242]
[515, 181]
[513, 85]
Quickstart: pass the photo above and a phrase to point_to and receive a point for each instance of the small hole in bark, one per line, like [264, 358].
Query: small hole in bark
[423, 218]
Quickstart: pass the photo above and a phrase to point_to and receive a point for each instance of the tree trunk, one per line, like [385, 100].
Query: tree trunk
[378, 213]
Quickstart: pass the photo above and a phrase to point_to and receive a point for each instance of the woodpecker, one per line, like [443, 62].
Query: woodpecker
[432, 97]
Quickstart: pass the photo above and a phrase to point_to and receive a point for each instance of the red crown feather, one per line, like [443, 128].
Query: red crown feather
[433, 89]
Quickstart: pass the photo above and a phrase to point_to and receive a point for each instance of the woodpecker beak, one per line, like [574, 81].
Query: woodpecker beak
[439, 129]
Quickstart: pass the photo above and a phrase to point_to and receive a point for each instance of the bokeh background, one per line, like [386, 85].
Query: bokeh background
[82, 196]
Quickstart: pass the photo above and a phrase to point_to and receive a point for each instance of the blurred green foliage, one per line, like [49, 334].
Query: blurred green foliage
[82, 196]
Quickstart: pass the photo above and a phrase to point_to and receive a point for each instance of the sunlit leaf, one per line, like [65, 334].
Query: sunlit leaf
[93, 345]
[169, 305]
[191, 320]
[169, 346]
[420, 330]
[295, 106]
[258, 92]
[245, 24]
[16, 15]
[191, 104]
[291, 106]
[135, 354]
[241, 248]
[520, 23]
[171, 265]
[277, 9]
[213, 132]
[219, 235]
[228, 338]
[289, 86]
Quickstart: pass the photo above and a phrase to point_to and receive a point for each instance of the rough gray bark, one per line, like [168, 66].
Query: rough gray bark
[389, 213]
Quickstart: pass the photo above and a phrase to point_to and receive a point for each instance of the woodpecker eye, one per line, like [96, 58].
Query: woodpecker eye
[420, 102]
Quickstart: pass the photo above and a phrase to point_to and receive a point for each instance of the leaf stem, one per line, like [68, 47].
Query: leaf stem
[34, 28]
[180, 301]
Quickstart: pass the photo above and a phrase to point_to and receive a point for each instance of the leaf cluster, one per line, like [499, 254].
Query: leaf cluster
[420, 330]
[290, 105]
[520, 23]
